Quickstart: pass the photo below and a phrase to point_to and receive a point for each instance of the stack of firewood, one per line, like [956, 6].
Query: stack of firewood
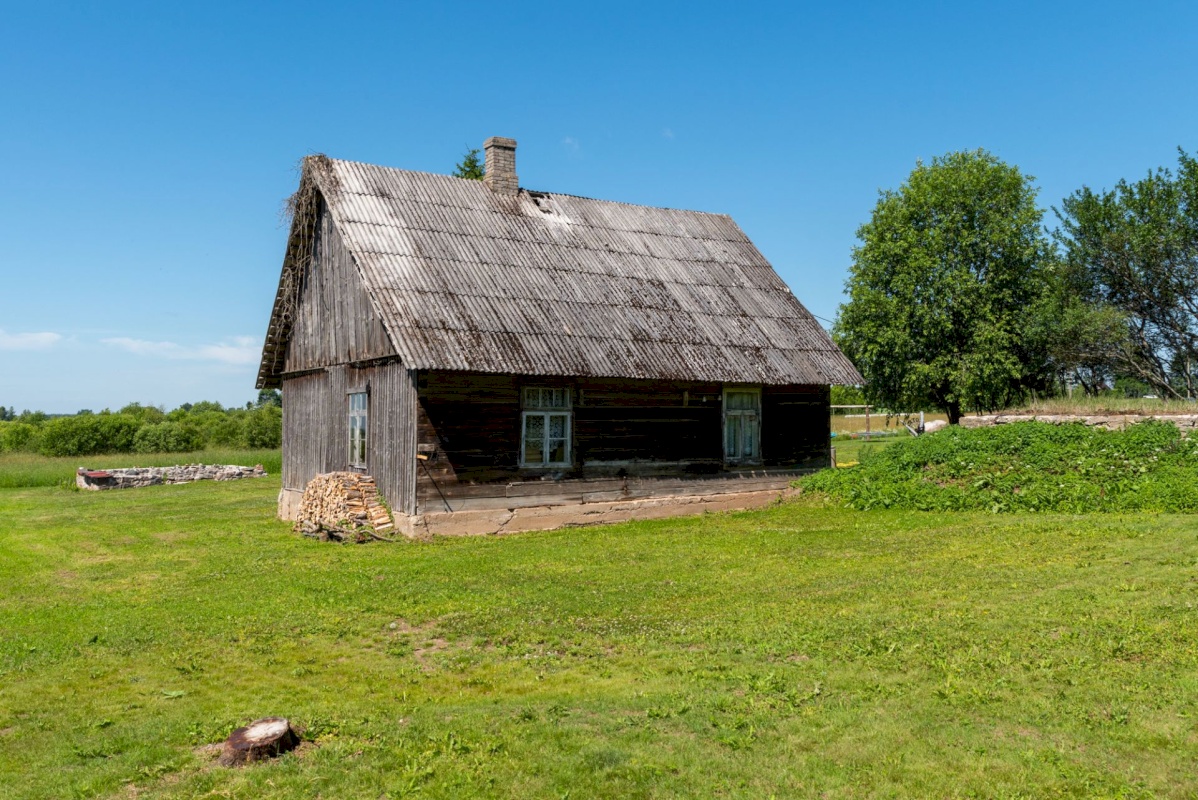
[343, 506]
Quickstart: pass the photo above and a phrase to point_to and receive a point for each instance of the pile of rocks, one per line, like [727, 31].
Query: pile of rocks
[343, 506]
[133, 477]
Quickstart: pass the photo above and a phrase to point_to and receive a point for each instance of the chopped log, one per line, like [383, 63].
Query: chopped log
[343, 506]
[261, 739]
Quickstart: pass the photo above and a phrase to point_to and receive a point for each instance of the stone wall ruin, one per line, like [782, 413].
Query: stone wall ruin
[134, 477]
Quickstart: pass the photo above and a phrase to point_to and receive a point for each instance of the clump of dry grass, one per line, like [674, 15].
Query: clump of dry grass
[1080, 404]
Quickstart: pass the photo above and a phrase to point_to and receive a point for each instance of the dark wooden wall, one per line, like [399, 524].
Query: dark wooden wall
[796, 426]
[335, 322]
[469, 425]
[316, 428]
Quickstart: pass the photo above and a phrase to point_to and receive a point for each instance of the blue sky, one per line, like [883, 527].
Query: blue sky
[149, 147]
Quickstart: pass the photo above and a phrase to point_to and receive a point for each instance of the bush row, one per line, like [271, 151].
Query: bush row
[144, 429]
[1029, 466]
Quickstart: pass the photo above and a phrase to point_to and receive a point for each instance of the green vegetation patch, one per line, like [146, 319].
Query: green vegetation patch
[145, 429]
[1027, 466]
[798, 651]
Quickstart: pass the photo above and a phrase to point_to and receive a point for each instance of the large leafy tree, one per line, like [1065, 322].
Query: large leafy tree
[944, 283]
[1134, 251]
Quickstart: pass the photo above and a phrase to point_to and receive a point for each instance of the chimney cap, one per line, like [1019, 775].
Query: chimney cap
[500, 141]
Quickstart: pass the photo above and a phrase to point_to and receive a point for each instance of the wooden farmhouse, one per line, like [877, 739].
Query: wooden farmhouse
[502, 359]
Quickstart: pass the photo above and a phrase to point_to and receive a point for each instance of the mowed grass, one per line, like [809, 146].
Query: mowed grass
[20, 470]
[797, 651]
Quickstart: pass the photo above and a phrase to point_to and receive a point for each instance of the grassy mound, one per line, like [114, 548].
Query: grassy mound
[1028, 466]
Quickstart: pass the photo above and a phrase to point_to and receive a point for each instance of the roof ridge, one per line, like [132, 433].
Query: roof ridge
[526, 190]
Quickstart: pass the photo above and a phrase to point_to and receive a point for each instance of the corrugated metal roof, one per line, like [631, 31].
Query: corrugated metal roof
[551, 284]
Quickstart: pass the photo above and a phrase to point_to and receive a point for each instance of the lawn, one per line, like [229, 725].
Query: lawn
[850, 451]
[799, 651]
[19, 470]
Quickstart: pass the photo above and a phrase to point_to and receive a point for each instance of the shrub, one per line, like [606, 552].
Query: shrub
[146, 415]
[168, 437]
[263, 428]
[1029, 466]
[87, 435]
[17, 436]
[220, 429]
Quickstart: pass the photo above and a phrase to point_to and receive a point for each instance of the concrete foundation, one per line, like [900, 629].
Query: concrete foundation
[551, 517]
[289, 503]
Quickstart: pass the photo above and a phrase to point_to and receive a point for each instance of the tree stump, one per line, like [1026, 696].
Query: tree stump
[261, 739]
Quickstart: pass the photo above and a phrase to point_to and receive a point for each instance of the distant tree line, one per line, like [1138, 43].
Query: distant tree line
[145, 429]
[961, 299]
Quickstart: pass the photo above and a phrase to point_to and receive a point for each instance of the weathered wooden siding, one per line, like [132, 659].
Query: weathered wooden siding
[631, 438]
[316, 427]
[627, 423]
[796, 426]
[335, 321]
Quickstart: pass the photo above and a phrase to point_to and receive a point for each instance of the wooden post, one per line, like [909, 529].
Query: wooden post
[867, 423]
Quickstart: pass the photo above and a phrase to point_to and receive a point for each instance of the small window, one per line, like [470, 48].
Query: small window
[545, 428]
[742, 425]
[357, 429]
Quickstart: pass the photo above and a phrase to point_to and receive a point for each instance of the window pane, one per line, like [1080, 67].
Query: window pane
[542, 397]
[557, 426]
[750, 435]
[742, 401]
[557, 451]
[732, 437]
[534, 426]
[534, 438]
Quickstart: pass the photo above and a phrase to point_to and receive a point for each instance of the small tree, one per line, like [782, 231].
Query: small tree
[1135, 250]
[471, 167]
[270, 397]
[942, 287]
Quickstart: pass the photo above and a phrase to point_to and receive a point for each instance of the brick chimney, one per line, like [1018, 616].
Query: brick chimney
[501, 165]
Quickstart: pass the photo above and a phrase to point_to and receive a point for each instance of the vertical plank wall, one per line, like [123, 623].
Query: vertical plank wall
[336, 325]
[316, 428]
[335, 321]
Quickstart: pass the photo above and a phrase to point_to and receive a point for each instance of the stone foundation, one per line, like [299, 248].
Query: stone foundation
[133, 477]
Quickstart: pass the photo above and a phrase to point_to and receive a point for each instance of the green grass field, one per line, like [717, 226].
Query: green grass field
[798, 651]
[21, 470]
[851, 451]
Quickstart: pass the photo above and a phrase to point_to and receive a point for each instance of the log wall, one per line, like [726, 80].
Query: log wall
[316, 428]
[631, 439]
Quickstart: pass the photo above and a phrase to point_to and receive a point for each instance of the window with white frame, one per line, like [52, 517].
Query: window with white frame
[357, 429]
[742, 424]
[545, 427]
